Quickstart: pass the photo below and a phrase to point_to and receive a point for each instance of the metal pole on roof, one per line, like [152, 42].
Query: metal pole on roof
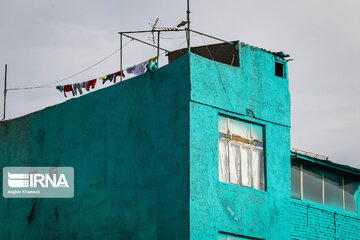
[188, 25]
[120, 57]
[144, 42]
[158, 49]
[5, 92]
[209, 36]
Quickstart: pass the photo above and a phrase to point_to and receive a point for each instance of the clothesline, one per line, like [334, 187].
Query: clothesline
[48, 85]
[138, 69]
[52, 86]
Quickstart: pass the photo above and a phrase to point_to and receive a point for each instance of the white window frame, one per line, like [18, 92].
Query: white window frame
[229, 140]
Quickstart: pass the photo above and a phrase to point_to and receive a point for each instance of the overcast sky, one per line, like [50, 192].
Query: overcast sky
[43, 41]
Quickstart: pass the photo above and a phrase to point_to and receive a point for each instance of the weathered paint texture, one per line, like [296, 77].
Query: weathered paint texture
[129, 146]
[221, 89]
[145, 154]
[311, 221]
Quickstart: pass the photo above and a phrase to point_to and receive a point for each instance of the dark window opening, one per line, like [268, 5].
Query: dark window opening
[279, 69]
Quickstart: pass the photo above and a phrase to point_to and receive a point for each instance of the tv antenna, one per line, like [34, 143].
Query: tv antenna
[154, 26]
[183, 23]
[188, 25]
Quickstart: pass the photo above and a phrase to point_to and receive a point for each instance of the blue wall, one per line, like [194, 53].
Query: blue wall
[145, 154]
[220, 207]
[129, 148]
[253, 85]
[311, 221]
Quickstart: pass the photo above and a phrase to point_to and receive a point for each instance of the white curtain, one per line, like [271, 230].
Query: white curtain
[223, 124]
[234, 162]
[223, 161]
[240, 128]
[245, 166]
[258, 169]
[257, 132]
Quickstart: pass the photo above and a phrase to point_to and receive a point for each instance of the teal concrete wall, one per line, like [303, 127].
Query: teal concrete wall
[252, 85]
[311, 221]
[145, 154]
[220, 207]
[129, 146]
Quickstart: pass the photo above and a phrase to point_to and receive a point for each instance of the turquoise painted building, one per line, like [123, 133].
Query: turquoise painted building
[199, 149]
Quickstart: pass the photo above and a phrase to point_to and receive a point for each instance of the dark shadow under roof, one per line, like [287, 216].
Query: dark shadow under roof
[222, 52]
[322, 160]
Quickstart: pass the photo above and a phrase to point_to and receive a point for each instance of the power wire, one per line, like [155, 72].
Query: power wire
[222, 83]
[74, 75]
[177, 37]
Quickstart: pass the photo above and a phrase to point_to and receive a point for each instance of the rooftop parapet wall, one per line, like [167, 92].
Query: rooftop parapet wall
[253, 85]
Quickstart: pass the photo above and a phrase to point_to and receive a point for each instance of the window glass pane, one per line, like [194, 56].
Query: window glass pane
[222, 124]
[240, 128]
[241, 161]
[312, 183]
[333, 189]
[246, 172]
[350, 186]
[223, 161]
[257, 132]
[259, 182]
[295, 180]
[234, 159]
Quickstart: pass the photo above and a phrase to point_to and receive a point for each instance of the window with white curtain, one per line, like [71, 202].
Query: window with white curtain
[241, 158]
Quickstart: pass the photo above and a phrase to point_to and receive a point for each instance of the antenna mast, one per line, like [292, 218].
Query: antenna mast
[5, 92]
[188, 26]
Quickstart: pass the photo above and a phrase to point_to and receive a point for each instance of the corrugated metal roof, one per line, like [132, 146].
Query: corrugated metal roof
[277, 54]
[322, 160]
[309, 154]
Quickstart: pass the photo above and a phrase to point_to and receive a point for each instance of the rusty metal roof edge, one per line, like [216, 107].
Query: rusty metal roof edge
[318, 158]
[279, 54]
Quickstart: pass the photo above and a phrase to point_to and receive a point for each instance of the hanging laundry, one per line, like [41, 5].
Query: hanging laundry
[84, 84]
[118, 74]
[60, 88]
[91, 84]
[140, 68]
[109, 77]
[102, 78]
[150, 66]
[154, 59]
[130, 69]
[77, 87]
[68, 88]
